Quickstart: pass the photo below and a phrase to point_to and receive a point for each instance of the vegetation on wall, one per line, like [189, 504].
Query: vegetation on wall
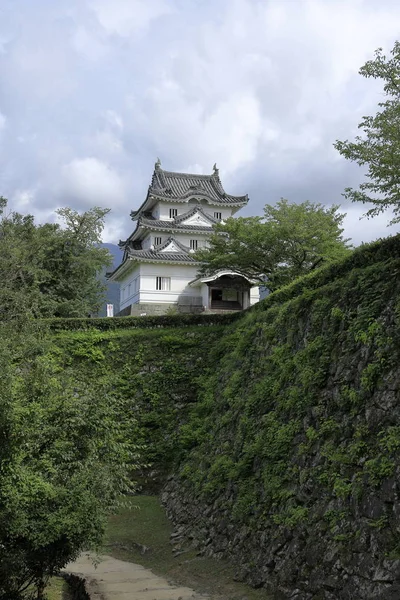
[154, 372]
[266, 398]
[296, 435]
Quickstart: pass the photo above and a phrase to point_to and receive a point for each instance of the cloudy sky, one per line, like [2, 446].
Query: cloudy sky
[92, 91]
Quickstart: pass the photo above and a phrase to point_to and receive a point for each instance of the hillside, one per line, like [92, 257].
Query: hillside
[281, 428]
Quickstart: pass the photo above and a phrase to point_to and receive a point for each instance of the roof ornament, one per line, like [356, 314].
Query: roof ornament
[158, 163]
[215, 169]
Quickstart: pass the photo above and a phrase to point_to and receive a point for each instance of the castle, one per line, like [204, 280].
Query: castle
[159, 271]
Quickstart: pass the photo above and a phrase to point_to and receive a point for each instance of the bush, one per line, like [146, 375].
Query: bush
[148, 322]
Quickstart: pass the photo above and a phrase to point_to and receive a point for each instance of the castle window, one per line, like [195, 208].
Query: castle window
[194, 244]
[173, 212]
[157, 241]
[218, 215]
[163, 284]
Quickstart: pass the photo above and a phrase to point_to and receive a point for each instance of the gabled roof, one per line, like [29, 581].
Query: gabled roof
[170, 226]
[160, 254]
[179, 187]
[147, 222]
[196, 209]
[157, 256]
[171, 240]
[221, 273]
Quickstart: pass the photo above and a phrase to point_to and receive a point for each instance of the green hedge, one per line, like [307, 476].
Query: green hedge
[383, 250]
[148, 322]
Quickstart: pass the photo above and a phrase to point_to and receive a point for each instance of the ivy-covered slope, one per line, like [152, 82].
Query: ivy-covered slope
[291, 456]
[151, 372]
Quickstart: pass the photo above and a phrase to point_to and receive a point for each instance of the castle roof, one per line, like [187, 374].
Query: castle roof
[170, 251]
[180, 187]
[199, 222]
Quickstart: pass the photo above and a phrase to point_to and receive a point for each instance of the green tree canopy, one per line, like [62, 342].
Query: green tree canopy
[66, 451]
[290, 240]
[379, 147]
[52, 269]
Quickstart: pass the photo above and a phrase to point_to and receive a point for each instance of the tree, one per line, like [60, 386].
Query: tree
[290, 240]
[379, 148]
[52, 269]
[65, 456]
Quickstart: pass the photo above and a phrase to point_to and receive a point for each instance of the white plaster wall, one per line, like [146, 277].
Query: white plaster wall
[161, 209]
[225, 212]
[139, 285]
[185, 238]
[163, 235]
[254, 295]
[180, 276]
[129, 287]
[205, 294]
[147, 242]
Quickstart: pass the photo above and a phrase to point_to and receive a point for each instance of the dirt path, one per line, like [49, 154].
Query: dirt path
[114, 579]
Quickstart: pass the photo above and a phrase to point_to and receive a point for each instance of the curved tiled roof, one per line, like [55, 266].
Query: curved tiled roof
[180, 186]
[157, 256]
[177, 224]
[172, 240]
[145, 220]
[170, 226]
[193, 211]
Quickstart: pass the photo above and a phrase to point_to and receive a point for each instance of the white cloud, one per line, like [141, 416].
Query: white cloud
[129, 17]
[89, 45]
[227, 132]
[2, 127]
[92, 183]
[22, 200]
[360, 229]
[113, 228]
[263, 88]
[114, 119]
[106, 143]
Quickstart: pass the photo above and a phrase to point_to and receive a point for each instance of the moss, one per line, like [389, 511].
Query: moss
[153, 373]
[287, 403]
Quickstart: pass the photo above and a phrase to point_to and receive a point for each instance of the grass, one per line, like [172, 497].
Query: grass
[58, 589]
[143, 523]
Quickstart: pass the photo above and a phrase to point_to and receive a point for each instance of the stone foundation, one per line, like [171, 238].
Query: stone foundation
[137, 310]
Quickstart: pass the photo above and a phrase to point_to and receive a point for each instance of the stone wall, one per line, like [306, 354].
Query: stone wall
[137, 310]
[292, 454]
